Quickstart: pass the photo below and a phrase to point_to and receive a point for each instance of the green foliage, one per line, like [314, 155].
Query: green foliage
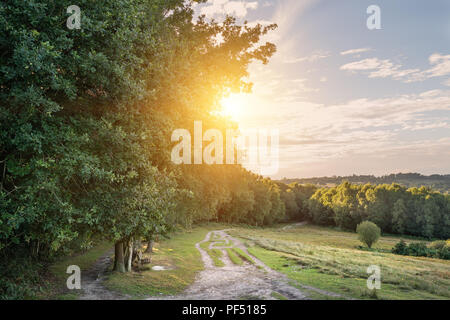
[294, 201]
[438, 244]
[368, 233]
[410, 180]
[288, 197]
[395, 209]
[400, 248]
[443, 253]
[399, 216]
[418, 249]
[72, 149]
[436, 249]
[20, 277]
[230, 194]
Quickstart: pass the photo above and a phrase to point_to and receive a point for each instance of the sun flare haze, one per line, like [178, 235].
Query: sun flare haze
[233, 106]
[348, 99]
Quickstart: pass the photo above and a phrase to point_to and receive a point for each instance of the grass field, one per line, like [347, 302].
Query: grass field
[331, 260]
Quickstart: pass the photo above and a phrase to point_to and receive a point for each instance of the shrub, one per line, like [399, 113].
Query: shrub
[368, 233]
[20, 277]
[418, 249]
[400, 248]
[437, 249]
[439, 244]
[443, 253]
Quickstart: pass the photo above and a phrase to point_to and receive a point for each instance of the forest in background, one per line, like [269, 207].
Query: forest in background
[438, 182]
[421, 212]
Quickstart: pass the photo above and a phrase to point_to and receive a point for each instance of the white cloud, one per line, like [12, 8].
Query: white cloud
[236, 8]
[430, 93]
[276, 88]
[377, 68]
[366, 64]
[311, 58]
[447, 82]
[427, 125]
[313, 134]
[355, 51]
[441, 65]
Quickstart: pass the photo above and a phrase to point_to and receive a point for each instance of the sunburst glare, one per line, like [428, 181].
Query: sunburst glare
[233, 106]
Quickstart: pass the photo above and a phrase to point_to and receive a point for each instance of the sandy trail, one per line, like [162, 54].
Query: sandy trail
[236, 282]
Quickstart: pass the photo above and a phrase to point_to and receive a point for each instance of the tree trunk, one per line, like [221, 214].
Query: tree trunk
[149, 246]
[119, 264]
[130, 255]
[137, 252]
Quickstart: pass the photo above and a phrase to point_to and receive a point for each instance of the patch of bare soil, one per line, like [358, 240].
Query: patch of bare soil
[91, 281]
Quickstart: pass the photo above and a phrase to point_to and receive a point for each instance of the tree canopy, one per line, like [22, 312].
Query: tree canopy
[87, 114]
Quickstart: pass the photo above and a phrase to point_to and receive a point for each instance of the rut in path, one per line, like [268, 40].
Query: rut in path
[231, 282]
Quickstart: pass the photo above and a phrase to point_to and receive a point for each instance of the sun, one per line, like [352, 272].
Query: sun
[232, 106]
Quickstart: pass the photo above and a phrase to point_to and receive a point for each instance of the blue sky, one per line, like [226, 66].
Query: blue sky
[347, 99]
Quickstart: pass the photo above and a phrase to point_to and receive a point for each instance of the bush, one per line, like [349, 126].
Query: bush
[400, 248]
[437, 249]
[443, 253]
[20, 277]
[368, 233]
[439, 244]
[418, 249]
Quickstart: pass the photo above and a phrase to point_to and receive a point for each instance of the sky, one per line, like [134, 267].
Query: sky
[345, 99]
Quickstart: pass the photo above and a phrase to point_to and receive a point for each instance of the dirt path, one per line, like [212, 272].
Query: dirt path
[230, 282]
[294, 225]
[91, 281]
[236, 282]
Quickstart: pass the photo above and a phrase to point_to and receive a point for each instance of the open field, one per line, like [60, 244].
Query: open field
[331, 260]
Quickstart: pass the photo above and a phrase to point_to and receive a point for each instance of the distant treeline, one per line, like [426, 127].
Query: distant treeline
[394, 208]
[230, 194]
[436, 181]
